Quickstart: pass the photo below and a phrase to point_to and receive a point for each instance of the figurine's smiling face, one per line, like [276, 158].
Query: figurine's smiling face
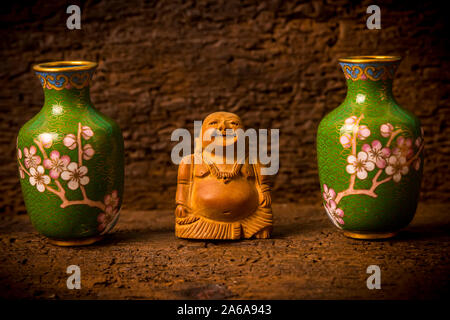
[220, 128]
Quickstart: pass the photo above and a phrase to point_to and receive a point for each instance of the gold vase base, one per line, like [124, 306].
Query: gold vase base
[369, 236]
[75, 243]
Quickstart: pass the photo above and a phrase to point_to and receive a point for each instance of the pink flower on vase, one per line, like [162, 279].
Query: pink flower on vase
[101, 219]
[19, 153]
[46, 139]
[404, 148]
[349, 123]
[105, 219]
[86, 132]
[386, 130]
[56, 164]
[396, 167]
[75, 176]
[21, 173]
[359, 165]
[38, 178]
[112, 200]
[31, 159]
[377, 153]
[336, 214]
[418, 142]
[328, 194]
[70, 141]
[346, 140]
[363, 132]
[88, 152]
[417, 164]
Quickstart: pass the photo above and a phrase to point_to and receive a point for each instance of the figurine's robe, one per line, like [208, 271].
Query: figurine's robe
[221, 208]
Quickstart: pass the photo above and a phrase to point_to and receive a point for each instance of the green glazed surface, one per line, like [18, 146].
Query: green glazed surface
[71, 162]
[370, 132]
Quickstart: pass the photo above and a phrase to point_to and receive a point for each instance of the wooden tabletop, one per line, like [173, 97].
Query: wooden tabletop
[307, 258]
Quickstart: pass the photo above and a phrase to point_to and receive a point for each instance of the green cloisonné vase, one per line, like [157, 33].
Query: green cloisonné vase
[71, 159]
[369, 152]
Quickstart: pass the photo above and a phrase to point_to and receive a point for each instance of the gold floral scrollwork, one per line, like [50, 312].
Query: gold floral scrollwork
[351, 71]
[380, 70]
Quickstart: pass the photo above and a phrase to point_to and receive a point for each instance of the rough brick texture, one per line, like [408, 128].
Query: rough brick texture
[164, 64]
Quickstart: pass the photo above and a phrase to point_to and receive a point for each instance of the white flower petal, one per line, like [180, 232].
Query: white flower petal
[73, 166]
[40, 169]
[397, 177]
[362, 174]
[390, 170]
[66, 175]
[351, 159]
[369, 166]
[46, 179]
[350, 169]
[83, 170]
[40, 187]
[33, 171]
[73, 184]
[362, 155]
[84, 180]
[405, 170]
[32, 181]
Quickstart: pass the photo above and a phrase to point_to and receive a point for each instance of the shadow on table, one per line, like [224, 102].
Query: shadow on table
[424, 232]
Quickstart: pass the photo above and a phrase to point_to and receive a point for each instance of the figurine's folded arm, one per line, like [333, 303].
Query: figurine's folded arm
[265, 186]
[183, 186]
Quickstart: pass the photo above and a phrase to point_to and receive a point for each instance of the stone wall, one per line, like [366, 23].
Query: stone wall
[164, 64]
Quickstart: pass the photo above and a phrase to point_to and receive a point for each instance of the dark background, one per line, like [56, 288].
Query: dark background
[164, 64]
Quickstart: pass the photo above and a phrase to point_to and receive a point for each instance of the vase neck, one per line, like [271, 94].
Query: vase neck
[57, 101]
[361, 91]
[66, 85]
[369, 79]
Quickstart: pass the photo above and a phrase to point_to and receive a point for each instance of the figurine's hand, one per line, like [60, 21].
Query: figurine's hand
[181, 211]
[265, 200]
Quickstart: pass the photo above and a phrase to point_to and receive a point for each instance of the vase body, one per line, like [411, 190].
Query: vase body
[369, 153]
[71, 159]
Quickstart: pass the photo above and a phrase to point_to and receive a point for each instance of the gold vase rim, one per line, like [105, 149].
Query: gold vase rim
[65, 66]
[366, 59]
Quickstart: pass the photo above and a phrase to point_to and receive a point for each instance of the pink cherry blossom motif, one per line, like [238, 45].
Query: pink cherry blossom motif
[105, 219]
[86, 132]
[336, 214]
[75, 176]
[359, 165]
[112, 200]
[21, 173]
[46, 139]
[328, 194]
[31, 159]
[404, 148]
[346, 140]
[377, 153]
[88, 152]
[38, 178]
[101, 219]
[363, 132]
[349, 123]
[19, 153]
[418, 142]
[56, 164]
[417, 164]
[386, 130]
[396, 167]
[70, 141]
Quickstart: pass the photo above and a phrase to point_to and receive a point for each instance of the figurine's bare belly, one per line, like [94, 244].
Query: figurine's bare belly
[213, 199]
